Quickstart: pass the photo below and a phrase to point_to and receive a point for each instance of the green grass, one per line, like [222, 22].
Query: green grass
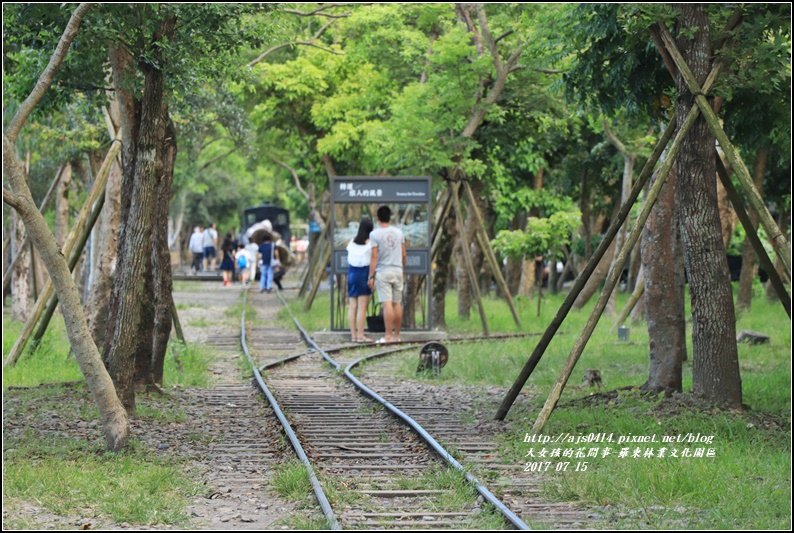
[49, 363]
[746, 486]
[69, 476]
[291, 481]
[52, 362]
[192, 368]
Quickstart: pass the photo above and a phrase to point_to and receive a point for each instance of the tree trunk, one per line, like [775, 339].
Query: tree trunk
[782, 222]
[106, 241]
[161, 258]
[112, 415]
[440, 273]
[513, 270]
[585, 204]
[663, 271]
[21, 302]
[81, 271]
[409, 305]
[635, 263]
[462, 279]
[464, 284]
[749, 261]
[62, 205]
[527, 286]
[727, 216]
[598, 277]
[132, 311]
[628, 176]
[716, 363]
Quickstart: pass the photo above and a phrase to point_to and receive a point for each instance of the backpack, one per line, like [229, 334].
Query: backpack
[242, 261]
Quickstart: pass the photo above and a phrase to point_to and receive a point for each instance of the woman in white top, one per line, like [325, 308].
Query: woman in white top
[359, 254]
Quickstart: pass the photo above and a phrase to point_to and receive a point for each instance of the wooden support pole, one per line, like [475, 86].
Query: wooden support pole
[756, 203]
[438, 223]
[612, 278]
[82, 219]
[73, 259]
[752, 234]
[490, 256]
[320, 271]
[584, 275]
[309, 276]
[639, 290]
[469, 263]
[177, 325]
[7, 274]
[544, 341]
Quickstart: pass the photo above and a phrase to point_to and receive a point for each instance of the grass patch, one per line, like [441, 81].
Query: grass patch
[50, 362]
[68, 476]
[746, 485]
[161, 413]
[302, 523]
[189, 286]
[291, 481]
[236, 310]
[192, 370]
[339, 493]
[246, 367]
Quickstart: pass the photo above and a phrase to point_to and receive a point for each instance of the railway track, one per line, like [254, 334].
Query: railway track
[383, 474]
[387, 476]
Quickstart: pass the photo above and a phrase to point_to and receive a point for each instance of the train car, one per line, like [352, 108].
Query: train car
[278, 216]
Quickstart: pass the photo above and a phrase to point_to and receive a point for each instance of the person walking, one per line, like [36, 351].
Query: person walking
[227, 262]
[210, 243]
[266, 277]
[243, 264]
[359, 256]
[197, 249]
[386, 272]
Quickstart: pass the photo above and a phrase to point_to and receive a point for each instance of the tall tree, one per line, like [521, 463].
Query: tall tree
[715, 369]
[114, 419]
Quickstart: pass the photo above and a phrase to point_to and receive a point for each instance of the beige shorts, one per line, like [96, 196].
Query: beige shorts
[389, 286]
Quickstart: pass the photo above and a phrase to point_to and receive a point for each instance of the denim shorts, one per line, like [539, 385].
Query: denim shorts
[357, 278]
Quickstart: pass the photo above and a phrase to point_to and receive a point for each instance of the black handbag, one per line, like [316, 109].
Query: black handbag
[375, 322]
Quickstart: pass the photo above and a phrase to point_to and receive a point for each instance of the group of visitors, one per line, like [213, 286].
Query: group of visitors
[203, 245]
[236, 258]
[376, 259]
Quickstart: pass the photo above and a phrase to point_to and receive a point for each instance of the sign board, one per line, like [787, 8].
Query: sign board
[386, 191]
[416, 261]
[355, 197]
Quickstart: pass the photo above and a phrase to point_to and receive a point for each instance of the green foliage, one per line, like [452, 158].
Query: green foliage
[541, 235]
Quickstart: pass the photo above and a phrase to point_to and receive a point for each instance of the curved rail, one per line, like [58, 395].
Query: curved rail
[413, 424]
[322, 499]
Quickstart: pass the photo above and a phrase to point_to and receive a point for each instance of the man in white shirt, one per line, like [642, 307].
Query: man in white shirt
[196, 246]
[386, 272]
[210, 244]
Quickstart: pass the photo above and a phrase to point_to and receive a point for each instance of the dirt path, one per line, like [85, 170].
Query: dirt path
[240, 438]
[225, 436]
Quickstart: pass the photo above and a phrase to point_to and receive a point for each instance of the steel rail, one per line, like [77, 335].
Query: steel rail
[322, 499]
[413, 424]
